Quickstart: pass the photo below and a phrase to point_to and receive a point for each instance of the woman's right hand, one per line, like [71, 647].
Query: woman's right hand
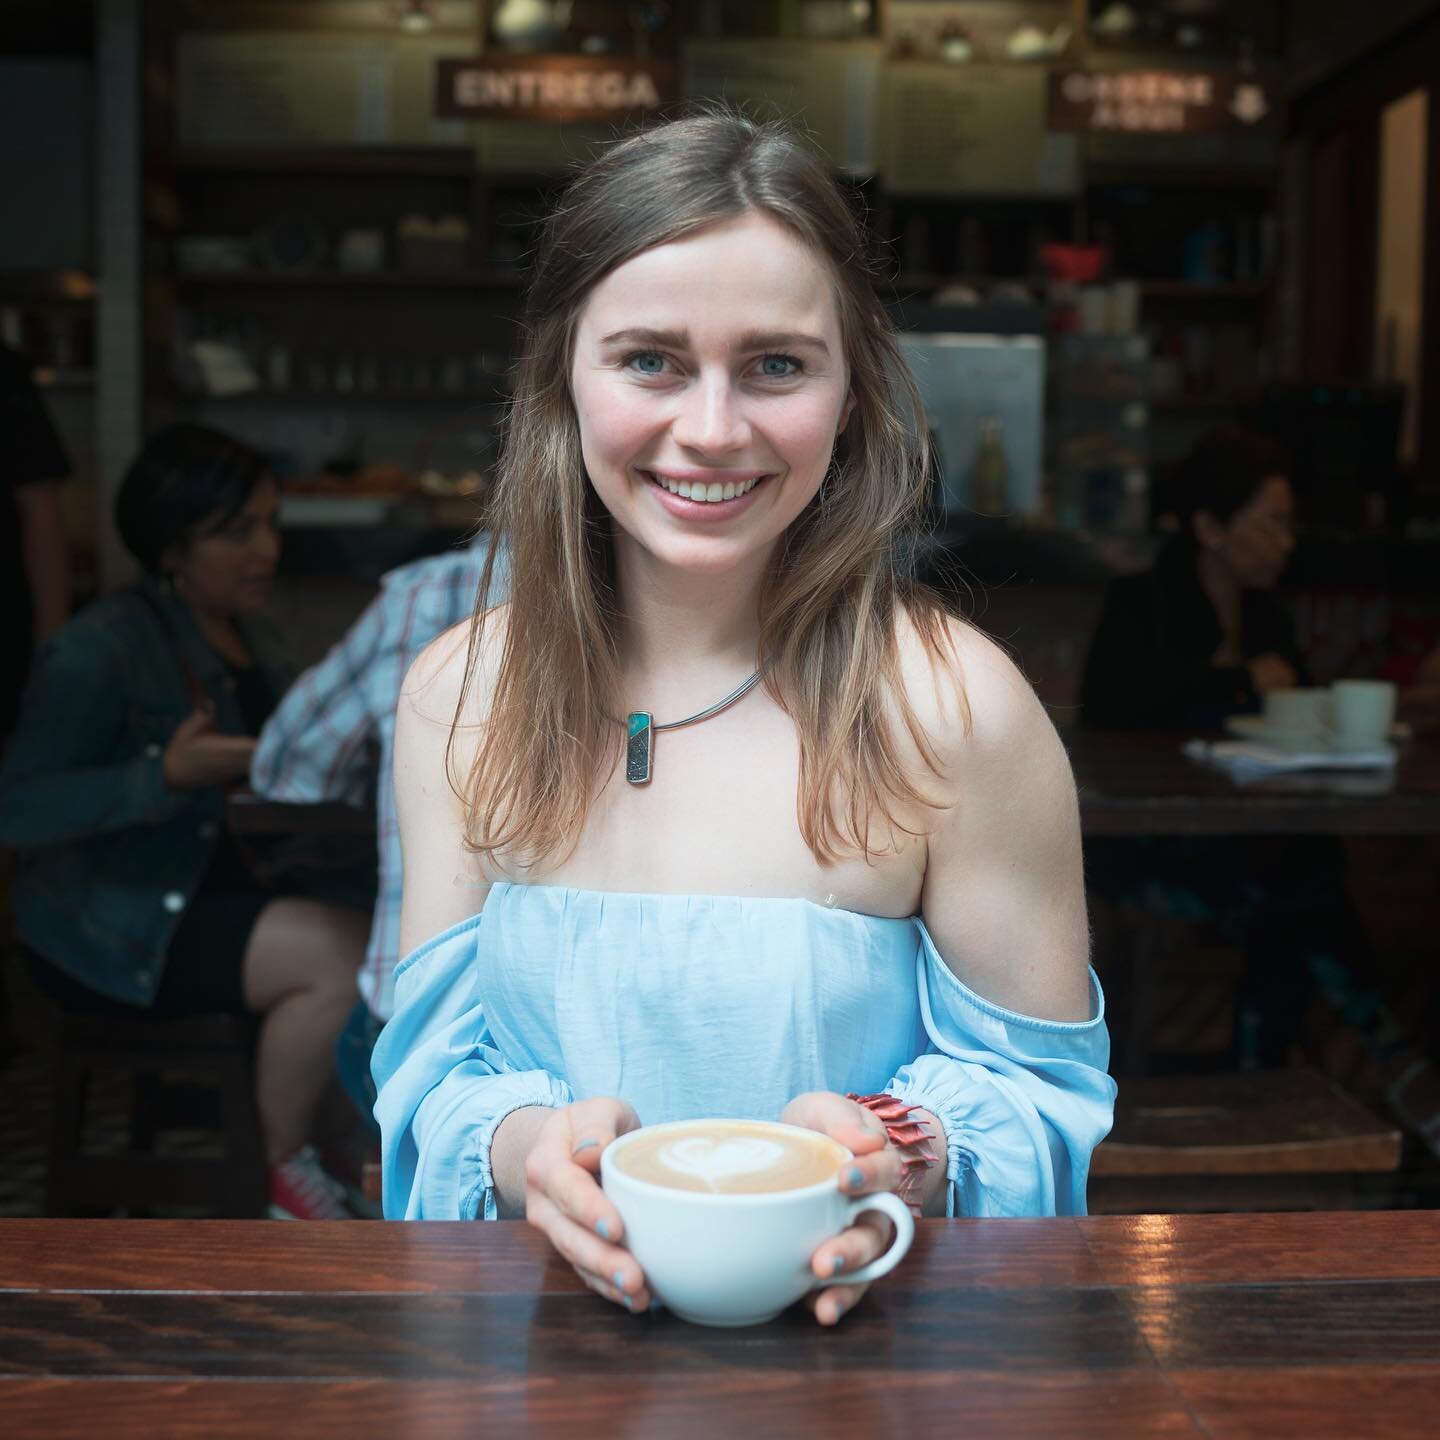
[1272, 672]
[198, 756]
[564, 1201]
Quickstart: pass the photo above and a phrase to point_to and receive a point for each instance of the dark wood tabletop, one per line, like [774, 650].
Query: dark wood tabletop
[1137, 784]
[1224, 1326]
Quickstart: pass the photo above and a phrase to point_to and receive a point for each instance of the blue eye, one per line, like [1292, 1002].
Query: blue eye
[646, 362]
[786, 360]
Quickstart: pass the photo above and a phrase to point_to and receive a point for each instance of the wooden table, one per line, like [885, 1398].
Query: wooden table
[1144, 785]
[1223, 1326]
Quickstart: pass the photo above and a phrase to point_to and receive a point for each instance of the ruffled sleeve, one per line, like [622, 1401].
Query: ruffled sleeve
[443, 1087]
[1023, 1101]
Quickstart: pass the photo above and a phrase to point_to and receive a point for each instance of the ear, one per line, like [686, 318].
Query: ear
[845, 413]
[1209, 532]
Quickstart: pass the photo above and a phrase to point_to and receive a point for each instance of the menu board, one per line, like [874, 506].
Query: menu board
[532, 147]
[961, 130]
[296, 88]
[830, 86]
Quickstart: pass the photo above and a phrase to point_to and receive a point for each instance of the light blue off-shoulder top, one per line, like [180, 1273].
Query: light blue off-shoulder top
[708, 1005]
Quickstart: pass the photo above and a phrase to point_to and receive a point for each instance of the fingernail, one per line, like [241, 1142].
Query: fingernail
[584, 1145]
[655, 1305]
[837, 1264]
[618, 1280]
[856, 1176]
[628, 1303]
[602, 1229]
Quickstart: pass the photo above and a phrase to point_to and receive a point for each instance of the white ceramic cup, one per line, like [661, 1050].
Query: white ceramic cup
[741, 1259]
[1298, 711]
[1362, 712]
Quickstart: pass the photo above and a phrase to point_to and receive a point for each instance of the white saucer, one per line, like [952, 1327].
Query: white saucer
[1253, 727]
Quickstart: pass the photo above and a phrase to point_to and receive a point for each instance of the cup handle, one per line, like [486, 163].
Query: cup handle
[898, 1211]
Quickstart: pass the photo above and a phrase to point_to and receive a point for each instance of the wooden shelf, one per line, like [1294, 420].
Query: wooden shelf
[319, 399]
[46, 377]
[1202, 404]
[1186, 290]
[454, 161]
[492, 279]
[1101, 175]
[69, 286]
[458, 160]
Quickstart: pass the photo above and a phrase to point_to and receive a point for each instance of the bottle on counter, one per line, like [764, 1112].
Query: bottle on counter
[989, 474]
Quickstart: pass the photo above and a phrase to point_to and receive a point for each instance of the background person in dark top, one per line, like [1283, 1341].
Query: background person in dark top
[1178, 648]
[132, 896]
[1202, 636]
[34, 561]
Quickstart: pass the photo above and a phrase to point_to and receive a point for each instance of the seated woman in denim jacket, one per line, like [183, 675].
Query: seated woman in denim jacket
[131, 896]
[855, 867]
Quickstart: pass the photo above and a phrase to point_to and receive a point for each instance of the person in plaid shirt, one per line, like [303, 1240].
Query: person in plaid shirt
[321, 744]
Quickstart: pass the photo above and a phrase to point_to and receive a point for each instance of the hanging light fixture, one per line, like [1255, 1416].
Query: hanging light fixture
[415, 17]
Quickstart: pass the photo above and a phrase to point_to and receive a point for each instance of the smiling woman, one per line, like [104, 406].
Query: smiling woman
[714, 463]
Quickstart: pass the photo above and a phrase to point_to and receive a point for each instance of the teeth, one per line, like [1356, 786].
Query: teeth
[707, 494]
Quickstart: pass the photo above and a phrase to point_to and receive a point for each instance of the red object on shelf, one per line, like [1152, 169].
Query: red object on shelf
[1081, 264]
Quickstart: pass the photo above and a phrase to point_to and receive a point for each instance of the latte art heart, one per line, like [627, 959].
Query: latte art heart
[718, 1160]
[729, 1157]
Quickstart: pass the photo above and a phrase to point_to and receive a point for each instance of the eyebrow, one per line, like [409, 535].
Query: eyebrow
[751, 340]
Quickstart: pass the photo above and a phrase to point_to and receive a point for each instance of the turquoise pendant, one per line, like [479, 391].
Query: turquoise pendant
[639, 748]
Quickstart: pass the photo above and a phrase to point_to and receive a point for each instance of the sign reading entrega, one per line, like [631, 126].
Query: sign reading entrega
[1159, 102]
[552, 87]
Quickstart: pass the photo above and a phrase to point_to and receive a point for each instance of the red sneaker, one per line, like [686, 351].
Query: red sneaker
[301, 1190]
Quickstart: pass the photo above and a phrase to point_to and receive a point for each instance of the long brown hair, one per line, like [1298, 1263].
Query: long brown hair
[832, 597]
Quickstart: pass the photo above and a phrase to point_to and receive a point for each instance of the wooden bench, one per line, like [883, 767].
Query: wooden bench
[1265, 1139]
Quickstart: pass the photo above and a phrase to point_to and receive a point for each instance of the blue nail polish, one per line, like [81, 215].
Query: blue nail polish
[857, 1175]
[628, 1303]
[837, 1264]
[602, 1229]
[584, 1145]
[618, 1280]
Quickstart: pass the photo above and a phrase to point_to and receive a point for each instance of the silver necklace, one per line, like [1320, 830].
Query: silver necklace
[640, 730]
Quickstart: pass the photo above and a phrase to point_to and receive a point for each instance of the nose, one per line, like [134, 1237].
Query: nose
[711, 419]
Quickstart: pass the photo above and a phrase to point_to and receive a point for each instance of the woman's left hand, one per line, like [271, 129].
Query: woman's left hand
[877, 1166]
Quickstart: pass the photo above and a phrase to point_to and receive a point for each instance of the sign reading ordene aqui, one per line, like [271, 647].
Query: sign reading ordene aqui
[1162, 102]
[552, 87]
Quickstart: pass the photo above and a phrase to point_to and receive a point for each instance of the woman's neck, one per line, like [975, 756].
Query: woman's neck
[1223, 592]
[685, 633]
[222, 635]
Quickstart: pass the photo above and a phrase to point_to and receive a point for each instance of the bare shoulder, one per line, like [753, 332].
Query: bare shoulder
[451, 666]
[1003, 895]
[448, 686]
[978, 709]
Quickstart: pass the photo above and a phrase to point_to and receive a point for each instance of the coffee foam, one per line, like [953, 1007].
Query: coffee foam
[717, 1161]
[730, 1158]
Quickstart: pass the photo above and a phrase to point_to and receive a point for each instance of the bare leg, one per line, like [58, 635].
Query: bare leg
[300, 968]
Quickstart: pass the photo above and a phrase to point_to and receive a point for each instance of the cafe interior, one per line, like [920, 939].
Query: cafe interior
[1167, 276]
